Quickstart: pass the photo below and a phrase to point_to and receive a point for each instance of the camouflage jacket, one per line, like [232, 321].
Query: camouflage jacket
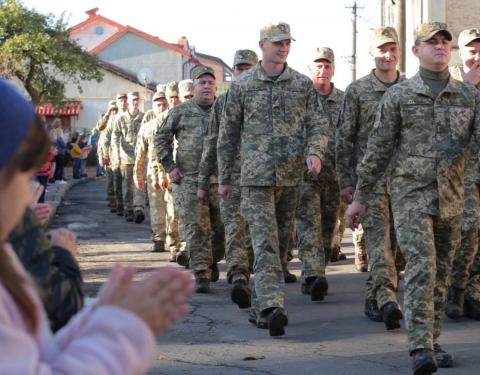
[332, 105]
[149, 116]
[124, 136]
[102, 126]
[273, 124]
[426, 141]
[53, 268]
[187, 123]
[145, 152]
[208, 165]
[360, 105]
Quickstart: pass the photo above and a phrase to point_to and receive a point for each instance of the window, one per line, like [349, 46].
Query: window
[99, 30]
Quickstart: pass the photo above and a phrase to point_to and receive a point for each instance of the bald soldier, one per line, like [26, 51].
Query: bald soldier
[422, 134]
[360, 105]
[187, 124]
[272, 117]
[464, 292]
[237, 254]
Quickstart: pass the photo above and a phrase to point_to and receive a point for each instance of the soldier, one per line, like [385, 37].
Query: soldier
[237, 254]
[186, 90]
[317, 209]
[124, 138]
[159, 104]
[467, 258]
[187, 123]
[358, 114]
[422, 134]
[271, 117]
[101, 126]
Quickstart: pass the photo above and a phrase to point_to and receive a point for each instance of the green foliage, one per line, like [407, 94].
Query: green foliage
[37, 49]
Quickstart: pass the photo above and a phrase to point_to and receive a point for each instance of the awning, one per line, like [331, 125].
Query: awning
[70, 108]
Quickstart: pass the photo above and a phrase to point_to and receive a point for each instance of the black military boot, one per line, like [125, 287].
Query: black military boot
[423, 362]
[444, 359]
[215, 275]
[182, 258]
[471, 308]
[241, 294]
[158, 247]
[289, 277]
[120, 211]
[139, 216]
[391, 315]
[203, 285]
[454, 307]
[317, 287]
[129, 216]
[277, 320]
[372, 312]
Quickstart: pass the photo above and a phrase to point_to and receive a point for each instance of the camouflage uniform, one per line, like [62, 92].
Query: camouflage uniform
[357, 118]
[101, 126]
[317, 211]
[187, 123]
[273, 123]
[124, 139]
[426, 139]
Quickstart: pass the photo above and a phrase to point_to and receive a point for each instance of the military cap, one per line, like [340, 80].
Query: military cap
[382, 36]
[121, 95]
[161, 88]
[200, 70]
[171, 89]
[468, 36]
[185, 87]
[245, 56]
[324, 53]
[158, 95]
[112, 103]
[133, 95]
[427, 30]
[274, 32]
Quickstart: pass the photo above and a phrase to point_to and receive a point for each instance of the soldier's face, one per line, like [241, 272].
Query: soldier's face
[133, 104]
[173, 101]
[240, 68]
[386, 56]
[204, 90]
[470, 54]
[322, 72]
[122, 104]
[434, 54]
[275, 52]
[160, 105]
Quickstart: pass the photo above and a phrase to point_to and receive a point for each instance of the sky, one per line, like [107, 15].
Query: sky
[219, 28]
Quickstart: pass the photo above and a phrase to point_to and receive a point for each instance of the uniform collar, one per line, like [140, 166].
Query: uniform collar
[260, 74]
[379, 85]
[420, 87]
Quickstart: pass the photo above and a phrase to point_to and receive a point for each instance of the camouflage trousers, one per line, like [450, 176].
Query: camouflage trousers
[238, 255]
[472, 292]
[110, 186]
[117, 186]
[217, 235]
[195, 223]
[172, 240]
[428, 244]
[381, 246]
[133, 198]
[157, 211]
[340, 225]
[270, 213]
[330, 208]
[465, 255]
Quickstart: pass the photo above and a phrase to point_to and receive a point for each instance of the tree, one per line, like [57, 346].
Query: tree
[37, 49]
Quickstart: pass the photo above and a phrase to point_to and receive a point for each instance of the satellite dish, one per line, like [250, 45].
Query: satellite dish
[145, 75]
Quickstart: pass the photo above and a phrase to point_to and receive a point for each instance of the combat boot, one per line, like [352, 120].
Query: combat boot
[203, 285]
[454, 307]
[129, 216]
[372, 312]
[257, 319]
[215, 275]
[113, 210]
[277, 320]
[471, 308]
[139, 216]
[158, 247]
[317, 287]
[182, 258]
[361, 263]
[120, 211]
[391, 315]
[444, 359]
[289, 277]
[241, 293]
[423, 362]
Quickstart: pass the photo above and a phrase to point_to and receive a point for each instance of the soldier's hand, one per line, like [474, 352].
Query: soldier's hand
[156, 185]
[347, 194]
[473, 75]
[63, 238]
[106, 162]
[42, 210]
[225, 191]
[165, 183]
[314, 165]
[202, 196]
[355, 214]
[175, 175]
[140, 184]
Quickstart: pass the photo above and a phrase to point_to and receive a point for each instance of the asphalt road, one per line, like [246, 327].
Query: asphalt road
[328, 337]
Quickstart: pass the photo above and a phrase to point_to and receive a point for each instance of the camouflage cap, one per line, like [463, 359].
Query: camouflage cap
[274, 32]
[382, 36]
[324, 53]
[468, 36]
[427, 30]
[245, 56]
[133, 95]
[121, 95]
[158, 95]
[112, 103]
[161, 88]
[200, 70]
[171, 89]
[185, 87]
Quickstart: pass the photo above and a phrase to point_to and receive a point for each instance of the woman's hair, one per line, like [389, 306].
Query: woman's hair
[30, 155]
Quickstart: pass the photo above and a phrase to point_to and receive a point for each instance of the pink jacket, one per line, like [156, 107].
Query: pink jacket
[99, 340]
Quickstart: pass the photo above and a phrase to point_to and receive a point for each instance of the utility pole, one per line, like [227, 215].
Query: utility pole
[354, 39]
[400, 26]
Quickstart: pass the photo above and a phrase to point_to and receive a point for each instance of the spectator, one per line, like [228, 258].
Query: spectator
[76, 154]
[45, 172]
[56, 135]
[93, 142]
[83, 144]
